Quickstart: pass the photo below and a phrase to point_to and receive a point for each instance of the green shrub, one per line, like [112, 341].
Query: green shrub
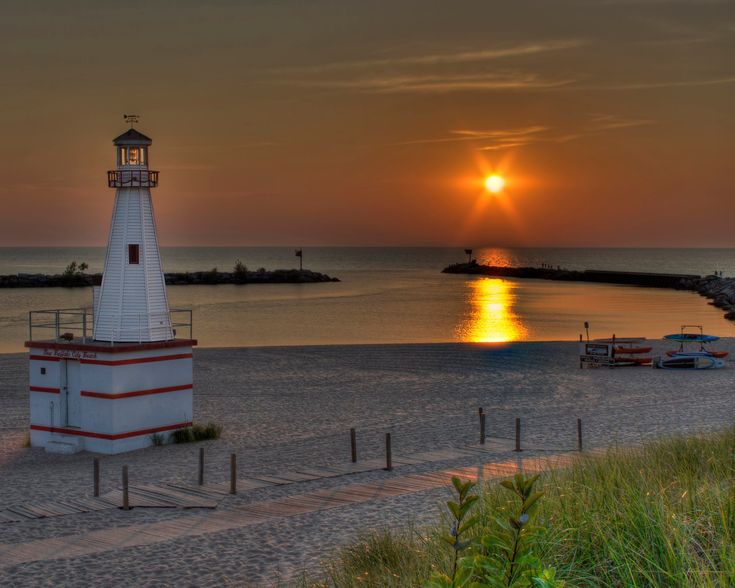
[197, 432]
[158, 439]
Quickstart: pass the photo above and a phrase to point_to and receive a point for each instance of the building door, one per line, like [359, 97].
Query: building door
[70, 393]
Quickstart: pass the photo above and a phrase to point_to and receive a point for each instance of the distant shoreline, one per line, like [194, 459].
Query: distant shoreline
[211, 277]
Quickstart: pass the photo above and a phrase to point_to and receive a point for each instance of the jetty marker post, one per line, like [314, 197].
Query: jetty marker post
[201, 466]
[96, 476]
[353, 445]
[233, 473]
[482, 428]
[579, 434]
[300, 255]
[468, 253]
[388, 453]
[125, 496]
[518, 434]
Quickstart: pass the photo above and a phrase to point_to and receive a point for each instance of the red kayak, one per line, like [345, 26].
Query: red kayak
[633, 350]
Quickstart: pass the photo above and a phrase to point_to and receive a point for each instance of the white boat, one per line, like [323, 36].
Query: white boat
[693, 361]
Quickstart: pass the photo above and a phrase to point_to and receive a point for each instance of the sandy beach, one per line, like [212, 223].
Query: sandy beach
[287, 407]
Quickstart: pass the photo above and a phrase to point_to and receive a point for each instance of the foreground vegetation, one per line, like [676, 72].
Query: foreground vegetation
[663, 515]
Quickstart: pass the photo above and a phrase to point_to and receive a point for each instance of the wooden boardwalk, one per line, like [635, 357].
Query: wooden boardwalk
[180, 495]
[211, 521]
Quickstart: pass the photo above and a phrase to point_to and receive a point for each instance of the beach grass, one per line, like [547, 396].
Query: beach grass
[659, 515]
[197, 432]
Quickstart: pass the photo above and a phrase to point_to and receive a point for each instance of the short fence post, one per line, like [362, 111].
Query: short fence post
[201, 466]
[353, 445]
[126, 498]
[388, 455]
[96, 476]
[518, 434]
[482, 428]
[233, 474]
[579, 434]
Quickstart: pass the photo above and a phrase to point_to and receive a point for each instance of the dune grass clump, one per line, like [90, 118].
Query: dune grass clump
[197, 432]
[658, 516]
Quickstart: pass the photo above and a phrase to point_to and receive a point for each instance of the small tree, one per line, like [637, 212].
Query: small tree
[74, 269]
[241, 272]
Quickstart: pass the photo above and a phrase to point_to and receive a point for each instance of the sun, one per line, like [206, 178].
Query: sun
[494, 183]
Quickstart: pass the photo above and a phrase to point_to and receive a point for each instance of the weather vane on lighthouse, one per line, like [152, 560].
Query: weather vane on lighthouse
[132, 119]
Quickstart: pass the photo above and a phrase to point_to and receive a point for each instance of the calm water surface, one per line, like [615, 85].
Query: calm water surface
[395, 295]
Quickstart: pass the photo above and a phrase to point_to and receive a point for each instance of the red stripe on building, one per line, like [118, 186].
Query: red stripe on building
[136, 360]
[107, 436]
[45, 389]
[44, 358]
[116, 395]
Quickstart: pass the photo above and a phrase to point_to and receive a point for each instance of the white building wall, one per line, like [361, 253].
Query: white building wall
[110, 424]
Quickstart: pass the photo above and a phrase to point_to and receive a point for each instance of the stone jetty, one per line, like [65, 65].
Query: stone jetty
[78, 280]
[720, 290]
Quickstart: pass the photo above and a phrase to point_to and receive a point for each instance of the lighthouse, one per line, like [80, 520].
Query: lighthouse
[116, 377]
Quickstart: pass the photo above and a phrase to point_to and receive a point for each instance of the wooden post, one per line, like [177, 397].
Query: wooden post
[482, 428]
[233, 474]
[579, 434]
[518, 434]
[96, 476]
[388, 454]
[201, 466]
[126, 498]
[353, 445]
[479, 410]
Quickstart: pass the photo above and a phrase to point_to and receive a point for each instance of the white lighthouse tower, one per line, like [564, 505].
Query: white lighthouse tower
[132, 305]
[110, 380]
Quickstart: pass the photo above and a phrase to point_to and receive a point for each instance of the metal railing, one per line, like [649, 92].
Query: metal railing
[74, 324]
[69, 322]
[133, 178]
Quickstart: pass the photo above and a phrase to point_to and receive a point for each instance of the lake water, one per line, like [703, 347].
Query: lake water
[395, 295]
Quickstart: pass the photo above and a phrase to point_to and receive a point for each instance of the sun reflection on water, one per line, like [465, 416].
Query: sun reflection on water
[491, 318]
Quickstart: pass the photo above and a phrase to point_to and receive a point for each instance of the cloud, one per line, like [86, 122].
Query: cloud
[669, 84]
[606, 122]
[499, 135]
[427, 73]
[438, 58]
[438, 83]
[499, 139]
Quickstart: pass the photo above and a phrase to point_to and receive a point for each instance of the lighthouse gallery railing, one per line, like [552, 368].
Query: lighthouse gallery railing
[73, 324]
[132, 178]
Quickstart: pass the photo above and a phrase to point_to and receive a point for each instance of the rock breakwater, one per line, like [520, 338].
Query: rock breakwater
[719, 289]
[292, 276]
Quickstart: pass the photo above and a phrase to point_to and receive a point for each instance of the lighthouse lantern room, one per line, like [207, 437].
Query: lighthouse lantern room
[109, 379]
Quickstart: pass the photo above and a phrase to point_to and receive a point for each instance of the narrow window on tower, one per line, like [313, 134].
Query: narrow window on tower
[134, 253]
[133, 156]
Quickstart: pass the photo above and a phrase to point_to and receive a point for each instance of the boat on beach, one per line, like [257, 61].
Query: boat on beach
[689, 362]
[682, 358]
[697, 337]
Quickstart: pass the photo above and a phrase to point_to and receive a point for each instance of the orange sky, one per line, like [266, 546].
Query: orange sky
[371, 123]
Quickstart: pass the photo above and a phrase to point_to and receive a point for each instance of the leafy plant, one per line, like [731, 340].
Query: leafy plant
[503, 555]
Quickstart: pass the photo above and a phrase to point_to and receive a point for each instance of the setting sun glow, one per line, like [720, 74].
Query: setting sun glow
[494, 184]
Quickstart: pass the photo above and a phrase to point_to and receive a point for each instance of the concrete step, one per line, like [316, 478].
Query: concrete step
[66, 446]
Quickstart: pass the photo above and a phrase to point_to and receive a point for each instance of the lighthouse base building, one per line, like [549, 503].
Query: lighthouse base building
[115, 378]
[108, 398]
